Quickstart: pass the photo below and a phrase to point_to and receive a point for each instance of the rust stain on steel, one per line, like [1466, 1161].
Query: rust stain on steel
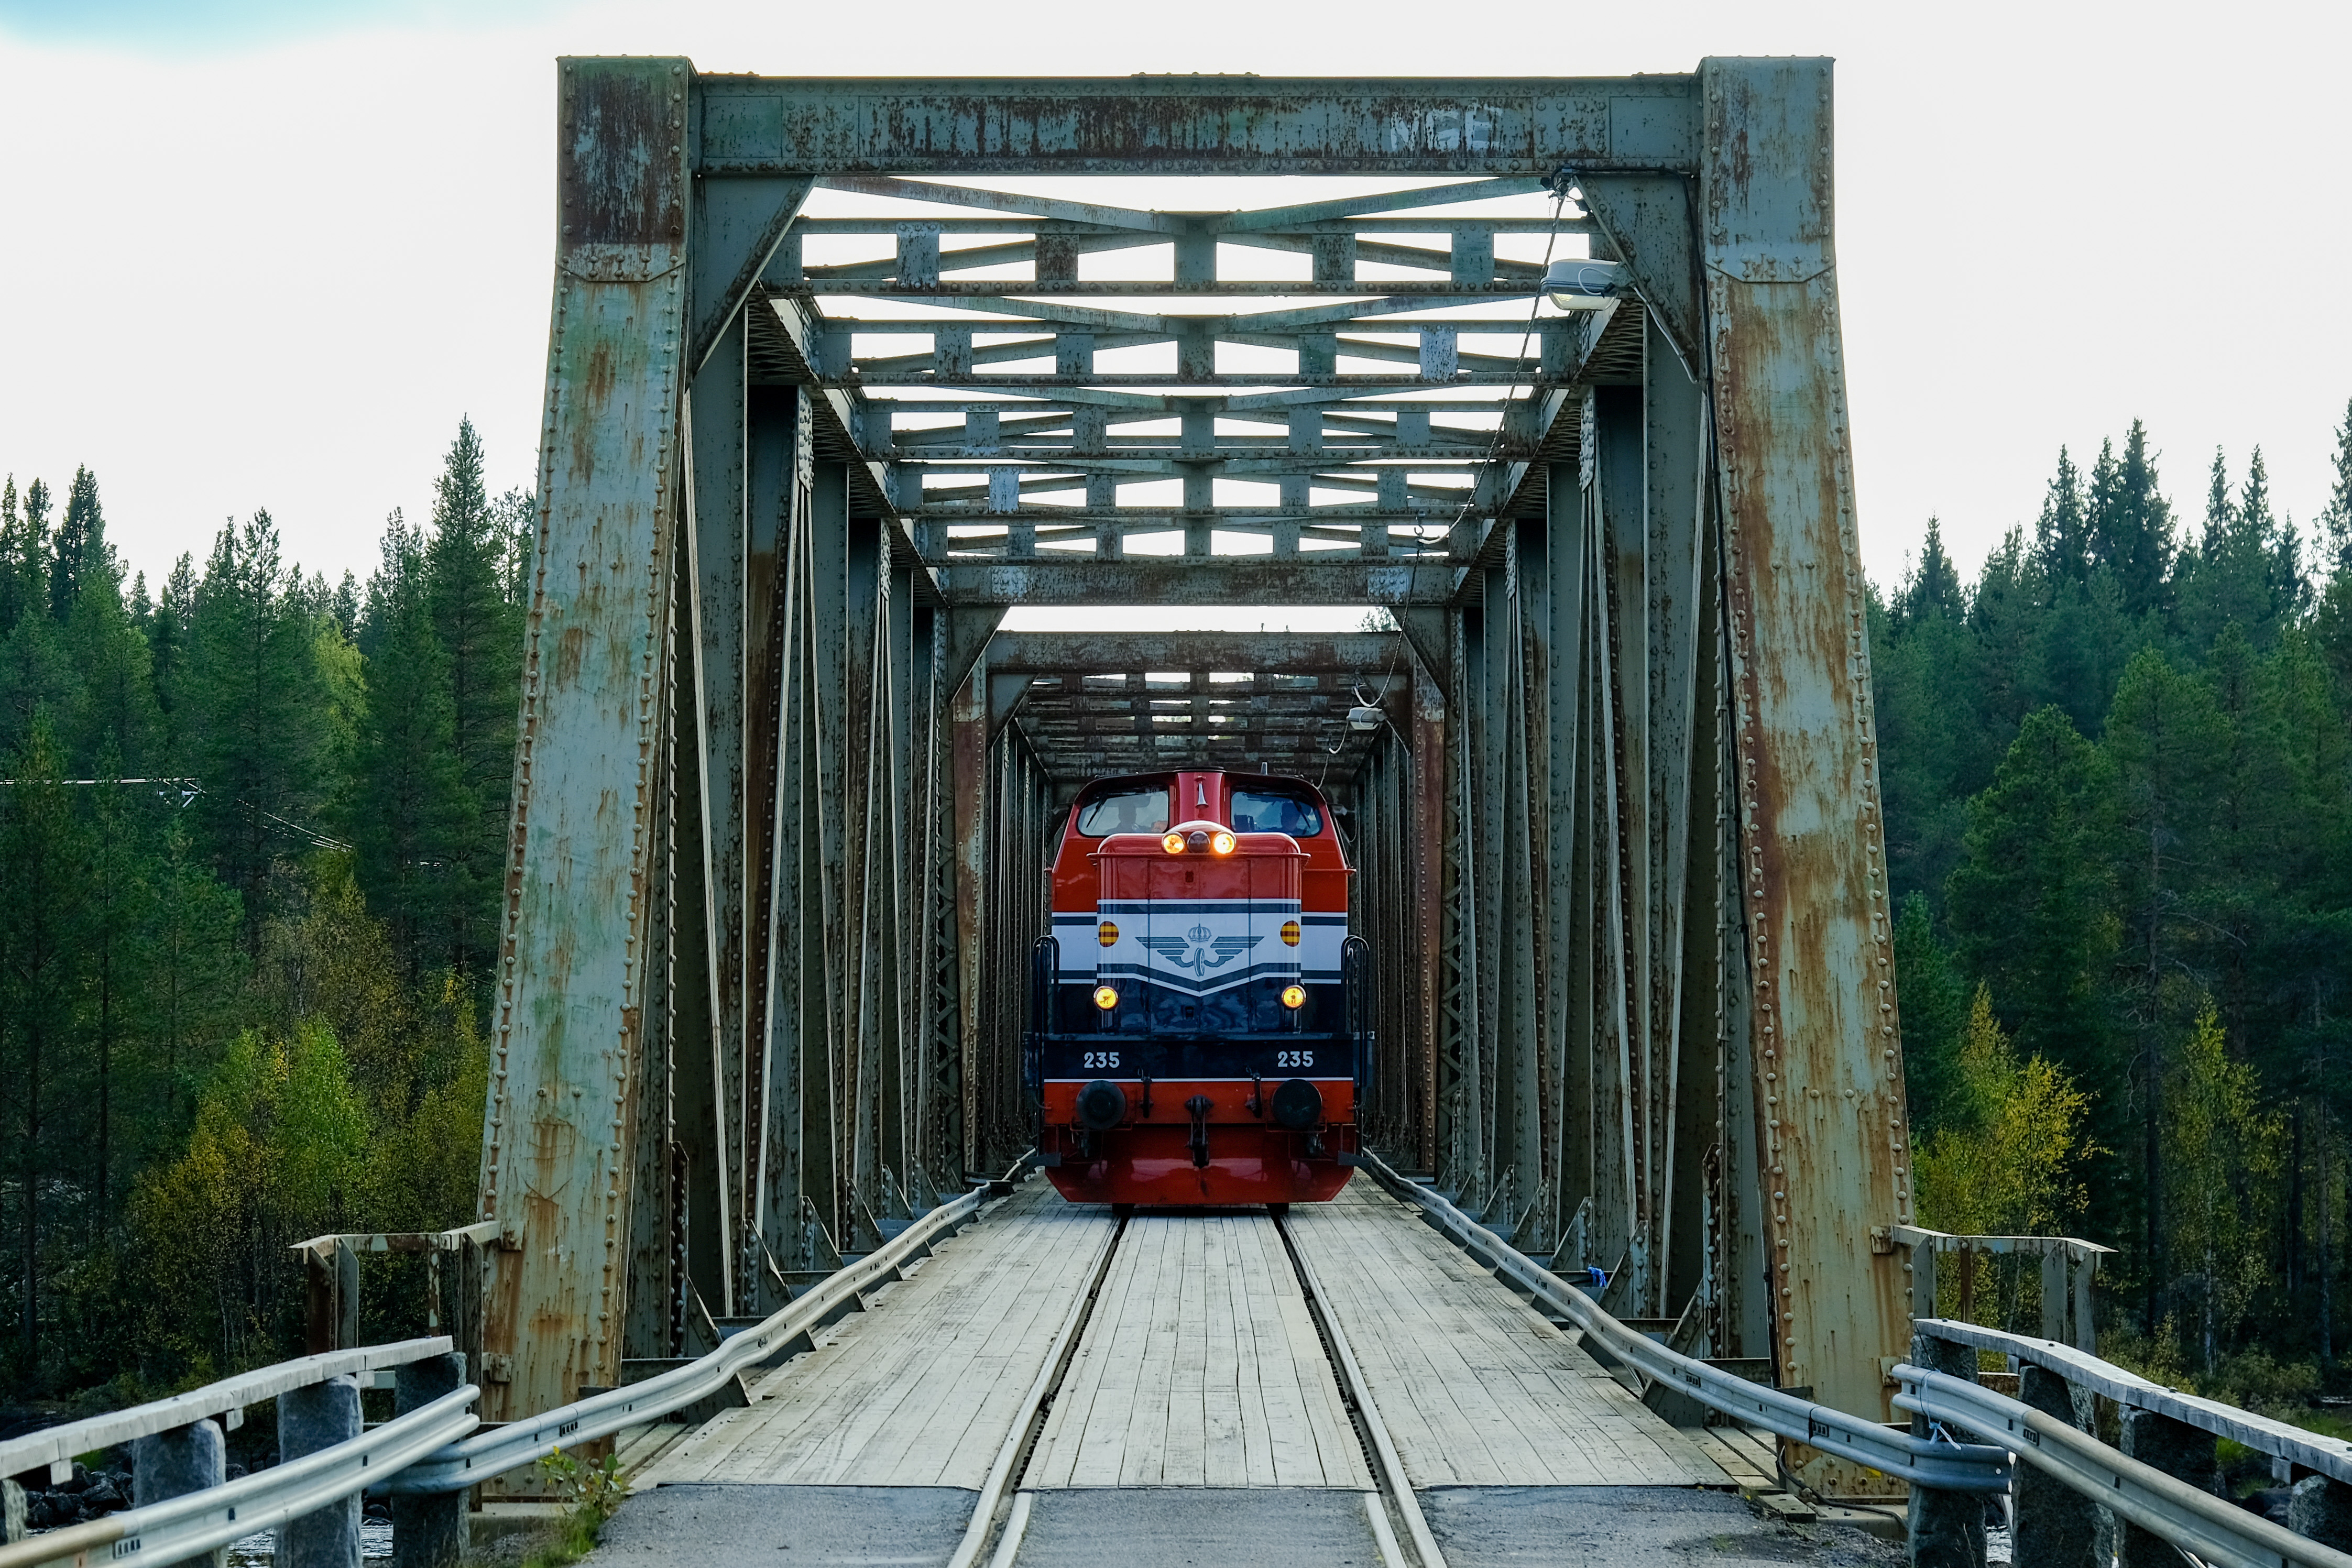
[558, 1134]
[1197, 124]
[1824, 1035]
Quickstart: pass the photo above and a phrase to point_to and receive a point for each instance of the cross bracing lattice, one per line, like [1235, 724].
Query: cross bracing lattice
[1034, 381]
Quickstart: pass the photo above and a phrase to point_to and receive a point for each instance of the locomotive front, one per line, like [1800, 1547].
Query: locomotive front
[1199, 1023]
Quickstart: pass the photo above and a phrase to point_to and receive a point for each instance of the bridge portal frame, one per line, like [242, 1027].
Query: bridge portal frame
[772, 863]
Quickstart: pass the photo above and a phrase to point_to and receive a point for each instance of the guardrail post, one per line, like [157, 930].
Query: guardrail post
[2181, 1451]
[2057, 1527]
[320, 1416]
[1946, 1527]
[176, 1463]
[2320, 1508]
[428, 1529]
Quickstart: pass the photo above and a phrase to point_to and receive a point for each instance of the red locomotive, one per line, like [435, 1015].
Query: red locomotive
[1199, 1016]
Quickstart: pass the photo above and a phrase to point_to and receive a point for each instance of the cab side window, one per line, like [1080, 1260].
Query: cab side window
[1125, 811]
[1268, 812]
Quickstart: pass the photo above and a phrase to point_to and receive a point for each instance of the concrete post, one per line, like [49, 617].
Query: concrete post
[428, 1529]
[2320, 1508]
[2057, 1527]
[310, 1420]
[176, 1463]
[2179, 1450]
[1946, 1527]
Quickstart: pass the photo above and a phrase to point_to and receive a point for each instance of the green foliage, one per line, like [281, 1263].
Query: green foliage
[224, 1028]
[2007, 1162]
[258, 724]
[595, 1492]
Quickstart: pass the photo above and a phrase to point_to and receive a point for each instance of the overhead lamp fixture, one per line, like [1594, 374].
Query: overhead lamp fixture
[1577, 283]
[1365, 716]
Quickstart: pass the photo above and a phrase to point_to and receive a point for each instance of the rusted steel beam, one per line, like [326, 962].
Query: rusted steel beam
[1289, 653]
[1193, 125]
[1824, 1030]
[572, 992]
[1203, 579]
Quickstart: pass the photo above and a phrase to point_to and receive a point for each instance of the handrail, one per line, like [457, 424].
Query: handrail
[195, 1523]
[1934, 1462]
[2311, 1450]
[517, 1443]
[2072, 1248]
[2215, 1529]
[51, 1445]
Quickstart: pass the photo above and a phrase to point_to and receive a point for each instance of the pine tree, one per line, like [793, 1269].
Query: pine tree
[113, 709]
[2029, 900]
[411, 817]
[2336, 521]
[481, 633]
[2131, 523]
[1933, 588]
[2061, 534]
[42, 857]
[80, 552]
[12, 550]
[167, 650]
[257, 722]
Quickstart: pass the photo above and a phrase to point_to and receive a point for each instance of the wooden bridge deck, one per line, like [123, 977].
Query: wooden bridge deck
[1200, 1367]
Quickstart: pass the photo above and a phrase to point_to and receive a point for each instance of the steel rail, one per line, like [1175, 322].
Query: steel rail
[2215, 1529]
[1938, 1464]
[189, 1525]
[521, 1442]
[1387, 1463]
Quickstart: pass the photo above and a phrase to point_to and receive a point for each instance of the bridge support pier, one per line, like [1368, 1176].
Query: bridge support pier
[2181, 1451]
[176, 1463]
[428, 1529]
[310, 1418]
[2056, 1524]
[1947, 1528]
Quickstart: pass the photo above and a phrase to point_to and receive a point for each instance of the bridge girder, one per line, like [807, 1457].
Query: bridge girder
[785, 789]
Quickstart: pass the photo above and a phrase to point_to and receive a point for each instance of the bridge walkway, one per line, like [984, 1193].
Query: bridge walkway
[1198, 1418]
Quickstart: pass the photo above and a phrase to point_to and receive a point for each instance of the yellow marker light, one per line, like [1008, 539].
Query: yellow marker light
[1106, 998]
[1290, 932]
[1106, 934]
[1173, 843]
[1294, 996]
[1223, 844]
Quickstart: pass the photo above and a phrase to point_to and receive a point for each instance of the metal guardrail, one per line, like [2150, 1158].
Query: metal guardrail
[182, 1527]
[2313, 1451]
[521, 1442]
[1932, 1463]
[429, 1450]
[2217, 1531]
[53, 1447]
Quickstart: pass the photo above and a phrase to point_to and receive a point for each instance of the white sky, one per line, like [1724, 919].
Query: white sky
[265, 253]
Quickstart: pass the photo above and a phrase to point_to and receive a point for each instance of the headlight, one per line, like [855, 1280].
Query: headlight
[1105, 998]
[1106, 934]
[1290, 932]
[1223, 844]
[1294, 996]
[1173, 843]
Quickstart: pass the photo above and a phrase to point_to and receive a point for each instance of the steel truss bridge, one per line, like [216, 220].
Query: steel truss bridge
[842, 370]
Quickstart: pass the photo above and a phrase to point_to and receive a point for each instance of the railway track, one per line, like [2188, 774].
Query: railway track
[1001, 1513]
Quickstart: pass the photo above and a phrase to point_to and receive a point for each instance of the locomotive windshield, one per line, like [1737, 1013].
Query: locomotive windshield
[1267, 812]
[1125, 811]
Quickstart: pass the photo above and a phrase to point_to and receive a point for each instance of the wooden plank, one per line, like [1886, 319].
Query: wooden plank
[1735, 1465]
[923, 1388]
[1201, 1367]
[1477, 1389]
